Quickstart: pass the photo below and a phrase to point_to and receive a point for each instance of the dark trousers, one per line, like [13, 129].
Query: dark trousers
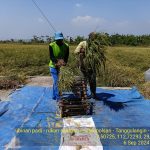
[90, 77]
[88, 74]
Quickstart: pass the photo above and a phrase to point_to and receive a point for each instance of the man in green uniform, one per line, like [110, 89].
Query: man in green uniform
[59, 53]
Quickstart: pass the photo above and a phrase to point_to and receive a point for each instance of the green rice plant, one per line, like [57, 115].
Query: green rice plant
[66, 79]
[95, 58]
[134, 57]
[29, 59]
[116, 75]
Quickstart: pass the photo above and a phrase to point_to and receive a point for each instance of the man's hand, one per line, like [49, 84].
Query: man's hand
[60, 62]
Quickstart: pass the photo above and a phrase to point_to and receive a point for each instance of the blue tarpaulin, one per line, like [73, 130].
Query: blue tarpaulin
[33, 107]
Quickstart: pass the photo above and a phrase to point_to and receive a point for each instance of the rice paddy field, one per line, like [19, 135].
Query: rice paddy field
[125, 66]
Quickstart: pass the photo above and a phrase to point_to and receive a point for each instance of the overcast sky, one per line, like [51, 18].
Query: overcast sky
[20, 19]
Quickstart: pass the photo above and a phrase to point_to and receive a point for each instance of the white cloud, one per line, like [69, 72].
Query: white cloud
[86, 24]
[87, 20]
[78, 5]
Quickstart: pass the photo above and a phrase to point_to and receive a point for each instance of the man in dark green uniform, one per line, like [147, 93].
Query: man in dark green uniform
[59, 53]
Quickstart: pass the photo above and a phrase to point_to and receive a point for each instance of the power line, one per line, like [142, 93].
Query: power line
[50, 24]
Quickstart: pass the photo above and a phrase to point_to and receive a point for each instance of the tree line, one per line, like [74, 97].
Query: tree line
[112, 40]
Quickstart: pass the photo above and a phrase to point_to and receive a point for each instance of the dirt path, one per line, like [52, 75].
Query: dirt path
[4, 94]
[45, 81]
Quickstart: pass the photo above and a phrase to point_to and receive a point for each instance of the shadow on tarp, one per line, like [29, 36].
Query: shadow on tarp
[115, 105]
[121, 108]
[112, 105]
[119, 95]
[116, 99]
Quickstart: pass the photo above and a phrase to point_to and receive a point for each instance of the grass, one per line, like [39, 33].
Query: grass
[23, 59]
[134, 57]
[125, 65]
